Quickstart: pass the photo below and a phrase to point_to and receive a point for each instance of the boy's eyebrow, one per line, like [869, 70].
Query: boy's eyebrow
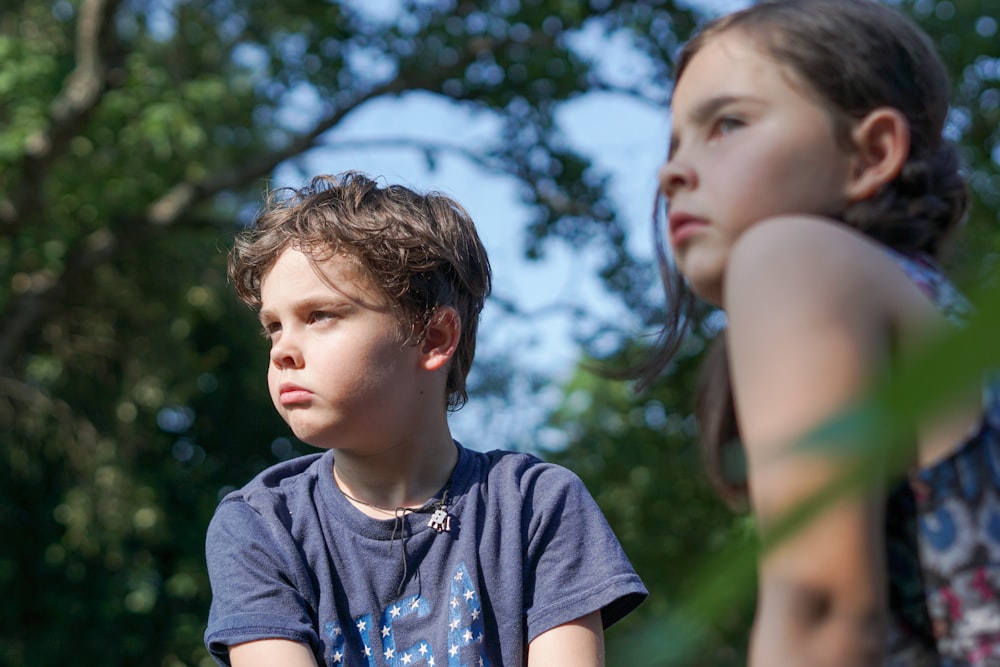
[309, 303]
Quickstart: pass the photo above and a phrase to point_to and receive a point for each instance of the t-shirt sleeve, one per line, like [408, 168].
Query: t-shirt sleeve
[258, 581]
[576, 564]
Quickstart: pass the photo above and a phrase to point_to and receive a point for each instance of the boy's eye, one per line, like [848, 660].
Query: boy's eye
[270, 329]
[321, 316]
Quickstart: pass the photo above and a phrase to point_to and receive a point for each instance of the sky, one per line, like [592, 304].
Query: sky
[629, 148]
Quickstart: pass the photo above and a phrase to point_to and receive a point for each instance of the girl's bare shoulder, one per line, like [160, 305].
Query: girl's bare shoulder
[805, 261]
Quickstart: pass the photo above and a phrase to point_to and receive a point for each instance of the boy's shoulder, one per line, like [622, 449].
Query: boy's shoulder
[504, 471]
[284, 480]
[505, 461]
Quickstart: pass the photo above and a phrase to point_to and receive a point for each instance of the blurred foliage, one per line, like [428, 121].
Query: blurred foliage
[966, 33]
[136, 135]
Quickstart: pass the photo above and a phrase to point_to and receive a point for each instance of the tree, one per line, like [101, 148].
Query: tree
[135, 137]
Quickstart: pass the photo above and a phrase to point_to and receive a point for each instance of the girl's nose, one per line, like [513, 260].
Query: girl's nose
[674, 176]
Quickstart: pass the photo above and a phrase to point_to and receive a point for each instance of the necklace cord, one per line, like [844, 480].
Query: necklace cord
[434, 505]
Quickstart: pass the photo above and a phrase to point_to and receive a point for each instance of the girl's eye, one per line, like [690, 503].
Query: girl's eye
[726, 124]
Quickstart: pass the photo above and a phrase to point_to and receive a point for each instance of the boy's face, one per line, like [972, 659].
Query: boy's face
[340, 372]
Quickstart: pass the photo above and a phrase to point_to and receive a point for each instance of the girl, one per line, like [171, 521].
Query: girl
[809, 191]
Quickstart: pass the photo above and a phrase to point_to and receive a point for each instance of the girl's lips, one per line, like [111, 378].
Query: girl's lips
[682, 226]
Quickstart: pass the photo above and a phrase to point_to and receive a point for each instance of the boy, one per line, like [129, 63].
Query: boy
[397, 546]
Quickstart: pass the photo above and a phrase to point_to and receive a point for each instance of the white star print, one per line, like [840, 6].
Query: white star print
[389, 652]
[385, 630]
[469, 595]
[430, 662]
[361, 626]
[454, 624]
[338, 656]
[454, 602]
[467, 635]
[475, 614]
[414, 604]
[423, 649]
[458, 576]
[407, 658]
[395, 611]
[368, 651]
[453, 651]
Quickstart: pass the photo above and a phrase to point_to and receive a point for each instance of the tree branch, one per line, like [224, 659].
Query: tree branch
[658, 103]
[186, 194]
[86, 82]
[483, 160]
[81, 93]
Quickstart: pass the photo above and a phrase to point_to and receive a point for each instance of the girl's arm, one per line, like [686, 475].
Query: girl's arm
[808, 330]
[579, 643]
[270, 652]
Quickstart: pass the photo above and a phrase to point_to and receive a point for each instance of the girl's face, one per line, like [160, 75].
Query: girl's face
[748, 142]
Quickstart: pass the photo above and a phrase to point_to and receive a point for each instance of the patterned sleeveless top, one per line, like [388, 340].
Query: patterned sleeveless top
[943, 535]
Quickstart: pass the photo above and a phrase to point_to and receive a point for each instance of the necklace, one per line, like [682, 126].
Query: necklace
[438, 508]
[440, 521]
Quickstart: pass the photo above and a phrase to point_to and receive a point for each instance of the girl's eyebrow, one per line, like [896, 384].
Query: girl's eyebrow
[703, 113]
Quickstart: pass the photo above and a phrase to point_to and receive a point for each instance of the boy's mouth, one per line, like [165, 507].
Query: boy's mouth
[290, 394]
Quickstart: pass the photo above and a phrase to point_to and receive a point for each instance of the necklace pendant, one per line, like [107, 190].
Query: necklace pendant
[440, 520]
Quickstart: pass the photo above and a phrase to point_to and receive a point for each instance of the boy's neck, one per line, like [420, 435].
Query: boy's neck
[400, 477]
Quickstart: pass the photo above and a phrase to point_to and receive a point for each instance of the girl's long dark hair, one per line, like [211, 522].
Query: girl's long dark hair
[854, 56]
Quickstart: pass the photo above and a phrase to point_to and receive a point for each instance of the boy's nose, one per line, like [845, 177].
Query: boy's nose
[674, 176]
[284, 354]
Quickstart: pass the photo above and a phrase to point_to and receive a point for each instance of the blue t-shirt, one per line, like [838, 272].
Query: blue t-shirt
[527, 550]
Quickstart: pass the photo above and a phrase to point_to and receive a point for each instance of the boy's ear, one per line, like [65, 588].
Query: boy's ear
[882, 146]
[440, 338]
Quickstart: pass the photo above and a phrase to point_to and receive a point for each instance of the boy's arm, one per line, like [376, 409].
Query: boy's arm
[269, 652]
[579, 643]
